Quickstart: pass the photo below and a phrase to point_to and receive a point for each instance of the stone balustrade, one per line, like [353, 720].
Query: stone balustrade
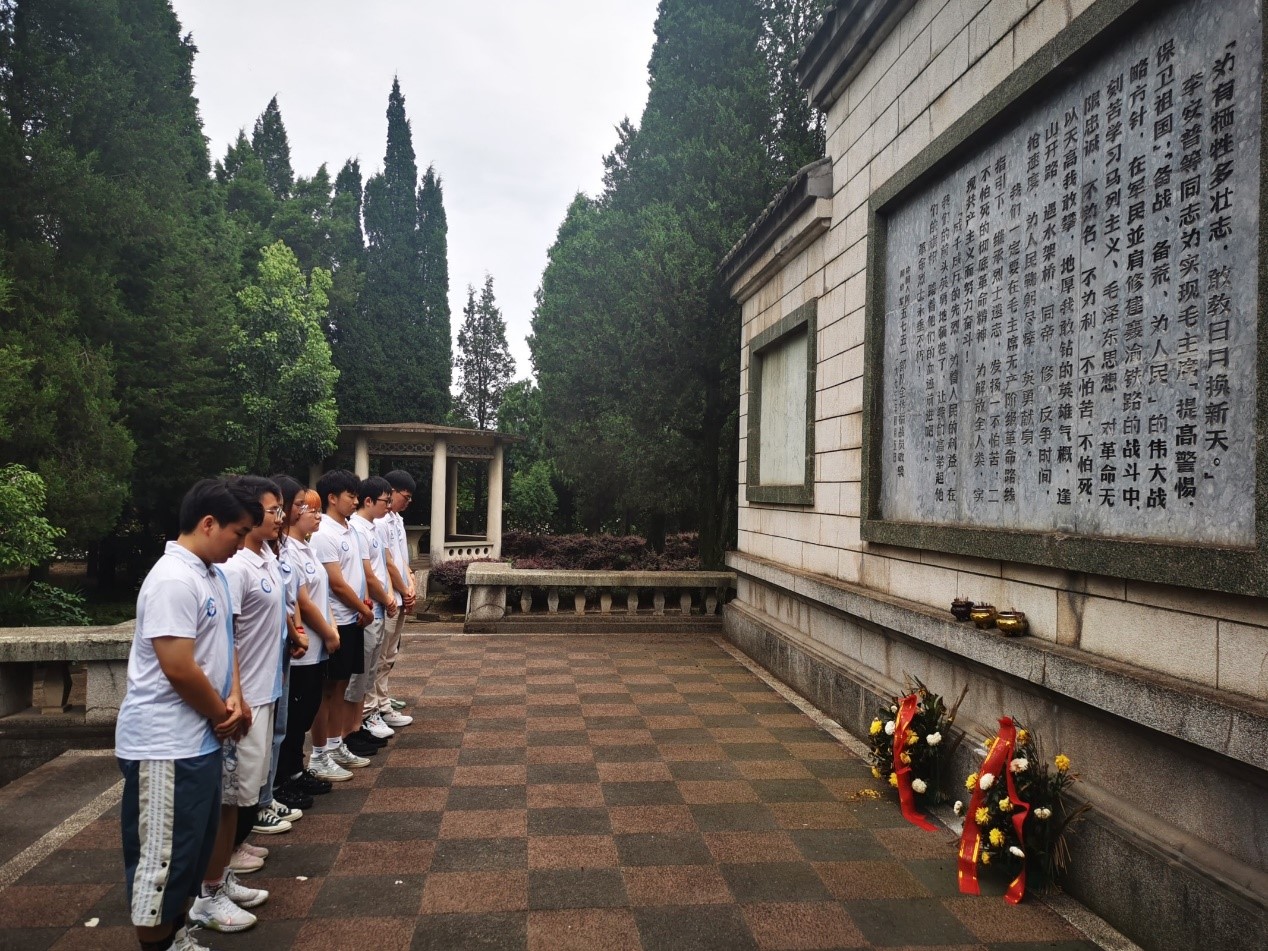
[552, 596]
[26, 652]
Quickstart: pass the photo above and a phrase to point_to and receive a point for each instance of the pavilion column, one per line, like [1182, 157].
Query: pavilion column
[439, 467]
[361, 458]
[314, 473]
[494, 527]
[451, 498]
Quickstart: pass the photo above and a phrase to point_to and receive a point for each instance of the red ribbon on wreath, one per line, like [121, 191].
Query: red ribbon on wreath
[996, 763]
[906, 795]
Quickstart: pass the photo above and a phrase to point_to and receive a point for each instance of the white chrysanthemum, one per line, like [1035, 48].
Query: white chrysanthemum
[959, 807]
[986, 781]
[1016, 851]
[1043, 812]
[919, 785]
[1019, 765]
[893, 708]
[889, 728]
[933, 739]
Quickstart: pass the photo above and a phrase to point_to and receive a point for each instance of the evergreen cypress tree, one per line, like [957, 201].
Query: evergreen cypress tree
[484, 361]
[269, 140]
[142, 264]
[433, 252]
[404, 379]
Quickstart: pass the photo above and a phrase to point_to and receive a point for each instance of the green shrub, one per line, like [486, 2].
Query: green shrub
[42, 605]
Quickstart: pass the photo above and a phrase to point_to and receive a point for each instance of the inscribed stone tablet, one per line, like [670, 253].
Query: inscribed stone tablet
[1071, 312]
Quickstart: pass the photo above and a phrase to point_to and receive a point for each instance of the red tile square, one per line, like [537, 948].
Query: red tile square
[849, 881]
[583, 929]
[633, 772]
[572, 851]
[620, 737]
[676, 885]
[380, 857]
[738, 848]
[494, 740]
[548, 795]
[991, 920]
[802, 926]
[554, 724]
[328, 934]
[814, 815]
[772, 769]
[691, 752]
[559, 754]
[44, 906]
[404, 799]
[490, 775]
[474, 892]
[628, 819]
[484, 824]
[711, 792]
[412, 756]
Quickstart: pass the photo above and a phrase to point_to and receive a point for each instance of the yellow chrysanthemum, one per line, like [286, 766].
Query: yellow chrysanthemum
[971, 782]
[1062, 762]
[1022, 737]
[982, 816]
[985, 858]
[893, 779]
[912, 738]
[876, 773]
[905, 758]
[990, 744]
[997, 837]
[875, 728]
[1005, 804]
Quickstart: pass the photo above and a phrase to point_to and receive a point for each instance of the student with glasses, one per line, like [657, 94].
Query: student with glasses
[379, 709]
[375, 497]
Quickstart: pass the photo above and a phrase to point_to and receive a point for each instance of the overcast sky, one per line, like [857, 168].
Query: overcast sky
[513, 101]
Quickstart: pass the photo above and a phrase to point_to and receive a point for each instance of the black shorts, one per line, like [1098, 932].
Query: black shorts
[349, 659]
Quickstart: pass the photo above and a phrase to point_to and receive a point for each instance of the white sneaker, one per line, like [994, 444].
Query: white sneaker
[183, 940]
[219, 913]
[394, 719]
[241, 895]
[268, 822]
[323, 767]
[346, 758]
[243, 862]
[374, 723]
[258, 851]
[286, 813]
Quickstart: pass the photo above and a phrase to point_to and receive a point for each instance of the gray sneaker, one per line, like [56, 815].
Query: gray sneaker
[323, 767]
[346, 758]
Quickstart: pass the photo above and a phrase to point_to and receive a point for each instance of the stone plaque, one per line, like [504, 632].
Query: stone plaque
[1070, 307]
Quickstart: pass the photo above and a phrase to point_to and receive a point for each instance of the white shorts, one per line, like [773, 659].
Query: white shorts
[246, 761]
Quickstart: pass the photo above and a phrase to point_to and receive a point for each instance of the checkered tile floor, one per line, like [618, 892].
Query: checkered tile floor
[636, 792]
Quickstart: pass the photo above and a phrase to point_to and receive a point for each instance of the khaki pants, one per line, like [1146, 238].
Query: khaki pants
[376, 697]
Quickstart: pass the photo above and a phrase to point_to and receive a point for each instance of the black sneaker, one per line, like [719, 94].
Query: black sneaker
[292, 798]
[366, 738]
[307, 783]
[359, 748]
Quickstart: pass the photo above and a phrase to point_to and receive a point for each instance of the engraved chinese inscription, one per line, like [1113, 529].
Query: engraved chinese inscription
[1071, 313]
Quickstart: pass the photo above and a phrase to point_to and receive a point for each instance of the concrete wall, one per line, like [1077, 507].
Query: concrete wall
[1177, 854]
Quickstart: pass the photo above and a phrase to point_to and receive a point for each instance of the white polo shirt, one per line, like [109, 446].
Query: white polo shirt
[391, 528]
[259, 607]
[182, 596]
[331, 543]
[371, 551]
[311, 575]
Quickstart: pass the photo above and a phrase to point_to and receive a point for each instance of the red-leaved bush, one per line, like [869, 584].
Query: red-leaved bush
[601, 552]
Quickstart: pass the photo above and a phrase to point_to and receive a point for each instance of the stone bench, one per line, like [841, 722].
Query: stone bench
[608, 597]
[26, 651]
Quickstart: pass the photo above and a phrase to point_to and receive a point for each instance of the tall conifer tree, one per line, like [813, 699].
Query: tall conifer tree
[484, 361]
[139, 265]
[404, 379]
[270, 142]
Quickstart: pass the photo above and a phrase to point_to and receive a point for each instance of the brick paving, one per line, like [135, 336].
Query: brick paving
[636, 792]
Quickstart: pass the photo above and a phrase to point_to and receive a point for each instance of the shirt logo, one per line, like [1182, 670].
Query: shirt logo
[264, 583]
[344, 546]
[211, 607]
[284, 567]
[311, 569]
